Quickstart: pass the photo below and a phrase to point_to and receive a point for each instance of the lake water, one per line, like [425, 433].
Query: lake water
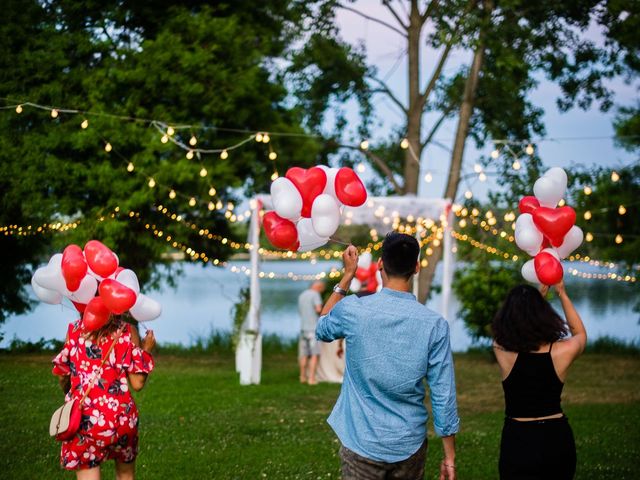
[204, 297]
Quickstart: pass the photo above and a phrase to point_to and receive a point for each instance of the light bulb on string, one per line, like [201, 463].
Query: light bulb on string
[19, 109]
[152, 183]
[219, 205]
[274, 175]
[587, 190]
[85, 124]
[224, 155]
[360, 168]
[587, 215]
[266, 138]
[259, 137]
[619, 239]
[468, 195]
[170, 131]
[192, 202]
[495, 154]
[428, 177]
[273, 155]
[477, 168]
[54, 113]
[588, 237]
[622, 210]
[108, 147]
[364, 145]
[529, 149]
[130, 167]
[516, 165]
[164, 138]
[615, 176]
[211, 206]
[203, 172]
[172, 194]
[212, 192]
[482, 177]
[189, 155]
[404, 144]
[561, 203]
[193, 140]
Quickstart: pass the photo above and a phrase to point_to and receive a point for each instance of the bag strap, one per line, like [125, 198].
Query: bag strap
[104, 359]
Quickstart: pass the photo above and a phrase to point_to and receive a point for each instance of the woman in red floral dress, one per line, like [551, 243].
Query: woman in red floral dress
[109, 425]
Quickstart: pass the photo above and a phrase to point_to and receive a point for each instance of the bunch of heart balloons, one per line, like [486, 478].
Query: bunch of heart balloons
[545, 232]
[78, 274]
[307, 206]
[367, 275]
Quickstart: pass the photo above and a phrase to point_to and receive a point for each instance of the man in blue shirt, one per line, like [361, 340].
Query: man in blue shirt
[394, 343]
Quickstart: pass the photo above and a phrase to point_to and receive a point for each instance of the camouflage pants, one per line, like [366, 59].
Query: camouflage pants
[355, 467]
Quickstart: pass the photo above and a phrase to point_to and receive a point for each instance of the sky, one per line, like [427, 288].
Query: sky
[384, 50]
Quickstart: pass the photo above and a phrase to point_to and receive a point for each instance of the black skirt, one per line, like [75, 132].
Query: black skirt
[543, 449]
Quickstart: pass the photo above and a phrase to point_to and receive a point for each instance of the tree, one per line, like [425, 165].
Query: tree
[507, 43]
[187, 63]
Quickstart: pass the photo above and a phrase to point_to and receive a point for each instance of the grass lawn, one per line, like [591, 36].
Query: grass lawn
[197, 422]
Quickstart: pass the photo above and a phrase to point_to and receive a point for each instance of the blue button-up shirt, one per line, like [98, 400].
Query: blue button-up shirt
[393, 344]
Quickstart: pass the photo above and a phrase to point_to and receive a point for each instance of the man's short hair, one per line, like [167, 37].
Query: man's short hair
[400, 255]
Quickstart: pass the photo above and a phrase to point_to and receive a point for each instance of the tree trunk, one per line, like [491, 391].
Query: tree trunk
[425, 278]
[414, 112]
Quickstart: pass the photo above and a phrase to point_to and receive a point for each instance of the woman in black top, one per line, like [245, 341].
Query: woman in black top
[534, 356]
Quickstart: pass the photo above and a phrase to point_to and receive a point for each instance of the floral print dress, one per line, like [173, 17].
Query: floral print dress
[109, 425]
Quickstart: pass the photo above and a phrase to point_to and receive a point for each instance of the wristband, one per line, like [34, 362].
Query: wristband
[339, 290]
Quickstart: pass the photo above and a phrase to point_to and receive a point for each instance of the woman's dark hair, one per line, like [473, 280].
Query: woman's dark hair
[400, 255]
[526, 320]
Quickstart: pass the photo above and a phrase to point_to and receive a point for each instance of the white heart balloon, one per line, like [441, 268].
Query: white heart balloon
[86, 291]
[364, 260]
[325, 215]
[129, 279]
[548, 191]
[145, 309]
[307, 236]
[529, 272]
[527, 235]
[330, 188]
[558, 175]
[50, 277]
[287, 201]
[355, 285]
[44, 294]
[572, 240]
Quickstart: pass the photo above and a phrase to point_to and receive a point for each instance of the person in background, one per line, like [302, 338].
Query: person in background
[393, 343]
[309, 307]
[534, 358]
[109, 425]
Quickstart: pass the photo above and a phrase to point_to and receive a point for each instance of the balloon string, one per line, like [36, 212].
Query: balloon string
[335, 240]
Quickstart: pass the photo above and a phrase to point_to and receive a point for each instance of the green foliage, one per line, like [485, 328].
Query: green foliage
[613, 345]
[239, 313]
[481, 288]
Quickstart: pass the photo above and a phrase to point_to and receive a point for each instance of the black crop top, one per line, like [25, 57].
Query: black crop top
[532, 388]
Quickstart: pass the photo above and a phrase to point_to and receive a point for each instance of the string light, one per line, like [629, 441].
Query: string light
[172, 194]
[164, 138]
[108, 147]
[85, 124]
[19, 109]
[192, 202]
[587, 190]
[274, 175]
[211, 206]
[189, 155]
[428, 177]
[364, 145]
[212, 192]
[130, 167]
[404, 144]
[468, 194]
[193, 140]
[622, 210]
[203, 172]
[615, 176]
[516, 165]
[258, 137]
[266, 138]
[482, 177]
[529, 149]
[273, 155]
[561, 203]
[170, 131]
[54, 113]
[587, 215]
[477, 168]
[495, 154]
[224, 155]
[588, 237]
[152, 183]
[361, 168]
[619, 239]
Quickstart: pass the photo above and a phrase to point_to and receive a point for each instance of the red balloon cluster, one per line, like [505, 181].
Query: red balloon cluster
[546, 232]
[307, 205]
[368, 277]
[75, 274]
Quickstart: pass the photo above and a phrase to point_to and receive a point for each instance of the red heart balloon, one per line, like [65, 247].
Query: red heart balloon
[349, 188]
[74, 267]
[554, 223]
[295, 246]
[95, 315]
[310, 183]
[528, 204]
[100, 258]
[116, 297]
[362, 274]
[548, 268]
[372, 283]
[282, 233]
